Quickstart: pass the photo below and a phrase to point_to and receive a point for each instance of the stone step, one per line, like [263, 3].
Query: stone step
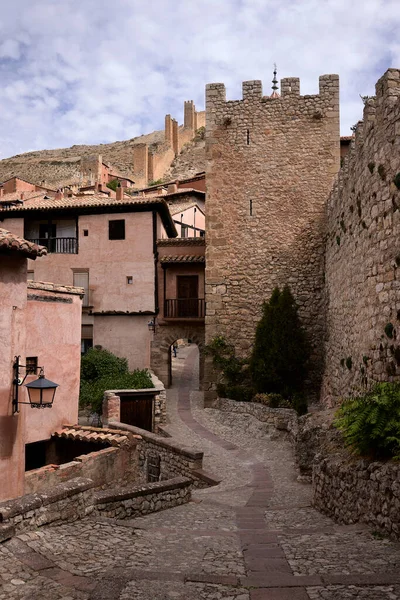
[6, 532]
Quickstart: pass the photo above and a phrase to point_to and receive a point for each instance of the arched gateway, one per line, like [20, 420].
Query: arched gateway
[164, 337]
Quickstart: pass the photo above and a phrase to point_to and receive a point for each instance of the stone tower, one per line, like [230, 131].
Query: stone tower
[271, 162]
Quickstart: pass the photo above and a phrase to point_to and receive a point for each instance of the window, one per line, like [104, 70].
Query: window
[31, 365]
[85, 232]
[184, 230]
[129, 280]
[31, 275]
[86, 338]
[116, 229]
[81, 279]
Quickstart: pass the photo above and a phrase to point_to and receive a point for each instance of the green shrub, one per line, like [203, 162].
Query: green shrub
[113, 184]
[371, 423]
[101, 370]
[155, 182]
[97, 363]
[233, 373]
[280, 354]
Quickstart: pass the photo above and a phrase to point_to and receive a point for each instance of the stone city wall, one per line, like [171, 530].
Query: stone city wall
[362, 252]
[352, 491]
[76, 499]
[270, 167]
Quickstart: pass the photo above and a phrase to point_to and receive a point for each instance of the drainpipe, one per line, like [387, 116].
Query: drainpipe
[155, 253]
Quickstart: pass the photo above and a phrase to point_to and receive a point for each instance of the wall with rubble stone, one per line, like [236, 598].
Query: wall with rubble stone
[270, 167]
[174, 459]
[353, 491]
[363, 254]
[76, 499]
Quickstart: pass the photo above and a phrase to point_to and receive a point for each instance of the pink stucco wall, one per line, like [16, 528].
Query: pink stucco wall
[54, 336]
[109, 263]
[126, 336]
[12, 343]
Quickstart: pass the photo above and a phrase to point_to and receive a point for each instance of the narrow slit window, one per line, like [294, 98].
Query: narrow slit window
[251, 207]
[248, 137]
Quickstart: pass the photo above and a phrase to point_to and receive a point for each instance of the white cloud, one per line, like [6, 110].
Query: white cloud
[85, 71]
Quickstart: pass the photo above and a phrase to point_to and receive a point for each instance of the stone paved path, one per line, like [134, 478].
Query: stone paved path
[253, 537]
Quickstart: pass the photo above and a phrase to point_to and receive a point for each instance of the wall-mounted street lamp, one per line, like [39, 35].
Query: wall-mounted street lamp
[152, 325]
[41, 391]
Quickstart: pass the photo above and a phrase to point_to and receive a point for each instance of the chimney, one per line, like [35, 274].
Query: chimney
[172, 188]
[1, 191]
[22, 195]
[59, 195]
[120, 192]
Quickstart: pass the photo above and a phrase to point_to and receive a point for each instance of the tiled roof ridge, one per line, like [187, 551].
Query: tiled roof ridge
[176, 258]
[89, 201]
[197, 241]
[114, 437]
[55, 287]
[175, 210]
[9, 242]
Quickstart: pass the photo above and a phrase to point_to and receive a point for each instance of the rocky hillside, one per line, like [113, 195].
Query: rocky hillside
[59, 167]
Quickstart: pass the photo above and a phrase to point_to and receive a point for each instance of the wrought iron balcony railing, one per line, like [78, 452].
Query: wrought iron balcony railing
[184, 308]
[62, 245]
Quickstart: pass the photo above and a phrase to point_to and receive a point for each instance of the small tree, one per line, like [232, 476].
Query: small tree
[113, 184]
[280, 354]
[101, 370]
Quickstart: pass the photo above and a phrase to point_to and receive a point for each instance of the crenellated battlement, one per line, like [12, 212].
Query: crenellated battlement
[290, 88]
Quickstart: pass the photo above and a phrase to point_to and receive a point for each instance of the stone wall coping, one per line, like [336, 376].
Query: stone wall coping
[156, 487]
[48, 286]
[155, 439]
[24, 504]
[154, 390]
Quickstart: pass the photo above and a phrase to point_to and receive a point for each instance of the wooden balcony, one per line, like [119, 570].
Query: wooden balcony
[184, 308]
[58, 245]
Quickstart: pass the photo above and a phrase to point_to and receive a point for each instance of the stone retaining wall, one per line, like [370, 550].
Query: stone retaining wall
[143, 500]
[352, 491]
[76, 499]
[175, 460]
[284, 419]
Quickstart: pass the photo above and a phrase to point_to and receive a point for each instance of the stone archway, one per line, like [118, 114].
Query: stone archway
[160, 354]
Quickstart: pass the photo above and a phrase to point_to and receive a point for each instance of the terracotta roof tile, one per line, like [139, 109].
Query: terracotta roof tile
[195, 241]
[184, 258]
[91, 434]
[10, 243]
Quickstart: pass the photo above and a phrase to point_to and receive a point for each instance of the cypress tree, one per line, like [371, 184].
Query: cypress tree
[280, 354]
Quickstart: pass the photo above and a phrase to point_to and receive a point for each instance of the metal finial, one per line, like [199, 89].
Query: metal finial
[274, 81]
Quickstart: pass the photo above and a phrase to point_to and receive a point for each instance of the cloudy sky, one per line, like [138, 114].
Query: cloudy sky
[91, 71]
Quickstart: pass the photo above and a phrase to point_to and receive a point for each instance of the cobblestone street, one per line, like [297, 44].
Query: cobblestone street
[255, 536]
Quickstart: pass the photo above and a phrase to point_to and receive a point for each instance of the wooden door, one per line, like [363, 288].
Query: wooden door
[187, 295]
[137, 410]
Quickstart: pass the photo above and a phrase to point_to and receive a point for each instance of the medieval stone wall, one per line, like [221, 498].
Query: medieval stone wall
[363, 252]
[270, 167]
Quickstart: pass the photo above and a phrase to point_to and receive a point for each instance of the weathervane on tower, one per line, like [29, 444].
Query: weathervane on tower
[275, 93]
